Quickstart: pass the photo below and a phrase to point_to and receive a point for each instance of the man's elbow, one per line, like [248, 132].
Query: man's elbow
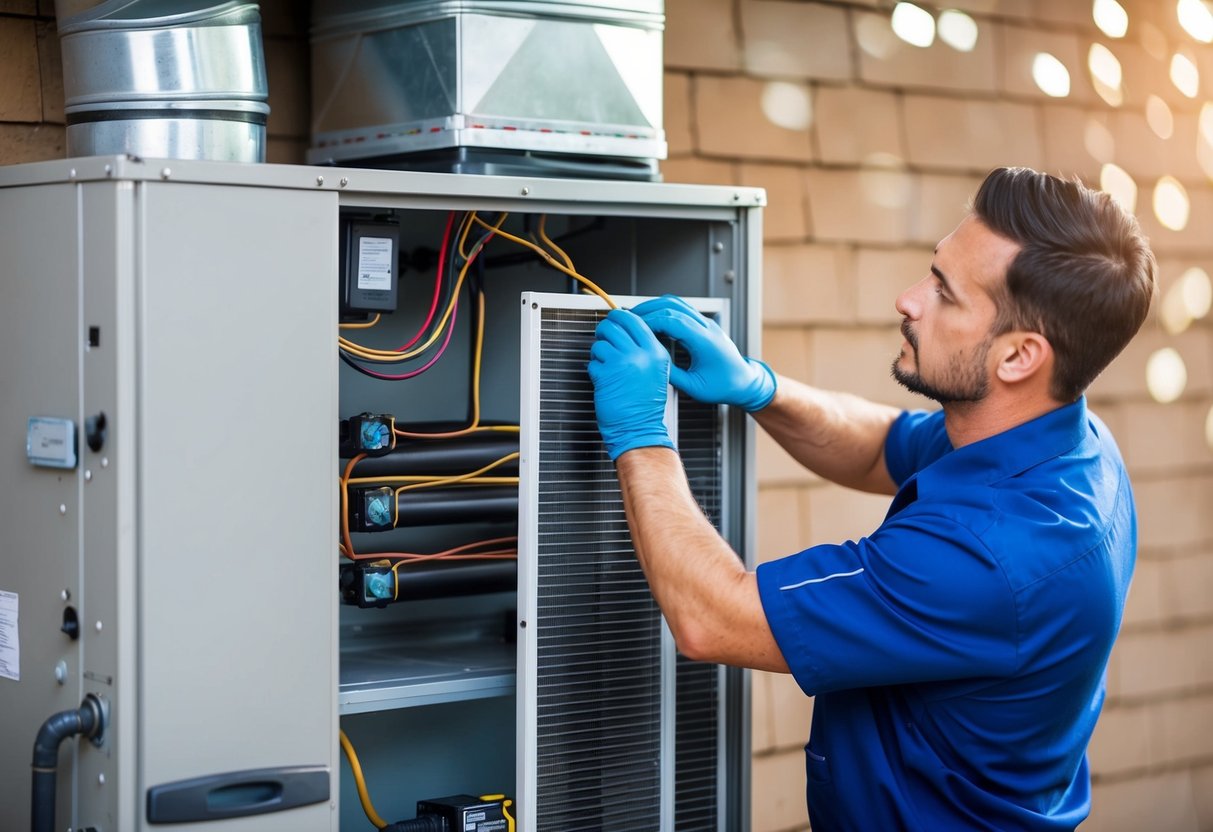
[696, 641]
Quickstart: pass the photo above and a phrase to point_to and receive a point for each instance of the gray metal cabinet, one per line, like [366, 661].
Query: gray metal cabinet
[195, 305]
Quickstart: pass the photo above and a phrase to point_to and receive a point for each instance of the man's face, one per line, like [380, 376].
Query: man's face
[947, 316]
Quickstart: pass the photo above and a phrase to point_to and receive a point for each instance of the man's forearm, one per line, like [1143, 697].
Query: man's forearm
[709, 599]
[836, 435]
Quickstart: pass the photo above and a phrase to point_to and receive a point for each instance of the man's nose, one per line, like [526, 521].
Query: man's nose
[909, 302]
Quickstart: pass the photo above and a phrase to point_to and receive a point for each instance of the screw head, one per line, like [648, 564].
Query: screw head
[525, 191]
[88, 475]
[319, 180]
[718, 247]
[98, 626]
[344, 181]
[62, 508]
[166, 173]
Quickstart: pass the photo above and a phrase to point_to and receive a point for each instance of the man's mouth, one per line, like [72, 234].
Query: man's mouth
[909, 335]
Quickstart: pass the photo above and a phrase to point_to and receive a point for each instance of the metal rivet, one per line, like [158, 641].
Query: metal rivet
[61, 671]
[718, 247]
[344, 181]
[62, 508]
[166, 173]
[109, 170]
[105, 462]
[98, 625]
[730, 276]
[526, 191]
[736, 197]
[319, 180]
[65, 595]
[101, 779]
[71, 174]
[88, 475]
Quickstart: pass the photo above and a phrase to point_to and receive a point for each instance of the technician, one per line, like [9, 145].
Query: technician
[957, 653]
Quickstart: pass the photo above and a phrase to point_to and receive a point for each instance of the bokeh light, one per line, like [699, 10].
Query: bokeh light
[958, 30]
[875, 37]
[913, 25]
[884, 187]
[1196, 289]
[1050, 75]
[1171, 204]
[1099, 141]
[1158, 116]
[1209, 428]
[1118, 184]
[1166, 375]
[1186, 300]
[787, 105]
[1106, 74]
[1196, 19]
[1111, 18]
[1184, 75]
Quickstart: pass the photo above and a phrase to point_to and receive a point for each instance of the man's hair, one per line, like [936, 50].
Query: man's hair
[1083, 277]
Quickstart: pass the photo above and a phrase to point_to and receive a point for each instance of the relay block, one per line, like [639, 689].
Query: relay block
[370, 265]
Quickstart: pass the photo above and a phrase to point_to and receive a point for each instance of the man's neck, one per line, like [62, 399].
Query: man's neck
[969, 422]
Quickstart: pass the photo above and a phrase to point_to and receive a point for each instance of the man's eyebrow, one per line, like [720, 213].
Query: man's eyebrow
[947, 284]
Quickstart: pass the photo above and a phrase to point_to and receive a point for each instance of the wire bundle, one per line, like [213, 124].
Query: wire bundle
[358, 356]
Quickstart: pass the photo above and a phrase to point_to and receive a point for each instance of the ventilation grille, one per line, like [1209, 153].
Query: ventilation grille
[598, 686]
[697, 758]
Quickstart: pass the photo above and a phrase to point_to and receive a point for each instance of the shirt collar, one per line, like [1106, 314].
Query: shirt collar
[1010, 452]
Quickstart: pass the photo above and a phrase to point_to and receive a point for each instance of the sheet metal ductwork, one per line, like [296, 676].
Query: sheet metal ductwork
[164, 78]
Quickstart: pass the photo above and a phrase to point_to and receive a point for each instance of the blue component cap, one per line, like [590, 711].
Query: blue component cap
[379, 507]
[380, 585]
[375, 435]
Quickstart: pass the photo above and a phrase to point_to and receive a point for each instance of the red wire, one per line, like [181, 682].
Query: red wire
[450, 328]
[446, 238]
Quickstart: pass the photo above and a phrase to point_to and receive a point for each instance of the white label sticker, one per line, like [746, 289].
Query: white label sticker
[375, 264]
[10, 643]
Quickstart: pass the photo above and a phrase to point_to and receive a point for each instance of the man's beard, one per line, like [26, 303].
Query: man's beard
[965, 380]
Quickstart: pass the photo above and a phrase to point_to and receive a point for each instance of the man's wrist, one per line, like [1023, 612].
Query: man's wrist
[652, 439]
[764, 387]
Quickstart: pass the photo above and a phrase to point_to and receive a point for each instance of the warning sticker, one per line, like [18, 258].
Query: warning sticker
[375, 264]
[10, 644]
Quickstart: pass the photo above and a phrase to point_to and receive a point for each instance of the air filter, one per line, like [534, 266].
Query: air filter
[614, 730]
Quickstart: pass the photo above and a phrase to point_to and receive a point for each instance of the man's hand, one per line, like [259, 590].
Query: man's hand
[719, 373]
[630, 371]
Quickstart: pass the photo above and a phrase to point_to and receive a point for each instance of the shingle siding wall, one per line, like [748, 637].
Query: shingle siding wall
[871, 157]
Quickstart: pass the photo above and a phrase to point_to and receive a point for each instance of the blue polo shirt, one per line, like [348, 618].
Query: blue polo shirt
[958, 652]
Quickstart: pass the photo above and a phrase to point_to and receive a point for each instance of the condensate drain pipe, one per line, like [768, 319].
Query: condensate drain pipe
[88, 720]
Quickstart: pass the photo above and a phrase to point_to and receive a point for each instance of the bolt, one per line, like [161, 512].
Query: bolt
[101, 779]
[344, 181]
[88, 475]
[98, 625]
[62, 508]
[730, 276]
[71, 174]
[65, 595]
[526, 192]
[61, 671]
[105, 462]
[736, 197]
[718, 247]
[166, 173]
[109, 170]
[319, 180]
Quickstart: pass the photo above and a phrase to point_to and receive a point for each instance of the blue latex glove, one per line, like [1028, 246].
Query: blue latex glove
[719, 373]
[630, 370]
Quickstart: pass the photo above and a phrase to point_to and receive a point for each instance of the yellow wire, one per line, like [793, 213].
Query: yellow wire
[459, 477]
[363, 325]
[433, 478]
[367, 806]
[551, 261]
[479, 354]
[550, 243]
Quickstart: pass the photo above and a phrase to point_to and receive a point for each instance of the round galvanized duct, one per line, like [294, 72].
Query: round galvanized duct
[164, 78]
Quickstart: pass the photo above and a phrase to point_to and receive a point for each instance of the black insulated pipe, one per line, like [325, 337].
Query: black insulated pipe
[88, 720]
[457, 504]
[444, 457]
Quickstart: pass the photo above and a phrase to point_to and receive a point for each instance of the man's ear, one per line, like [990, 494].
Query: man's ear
[1023, 355]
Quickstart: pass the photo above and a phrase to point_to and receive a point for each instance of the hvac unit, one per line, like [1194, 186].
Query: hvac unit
[236, 540]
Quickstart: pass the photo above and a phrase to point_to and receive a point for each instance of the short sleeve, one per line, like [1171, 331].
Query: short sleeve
[920, 600]
[916, 439]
